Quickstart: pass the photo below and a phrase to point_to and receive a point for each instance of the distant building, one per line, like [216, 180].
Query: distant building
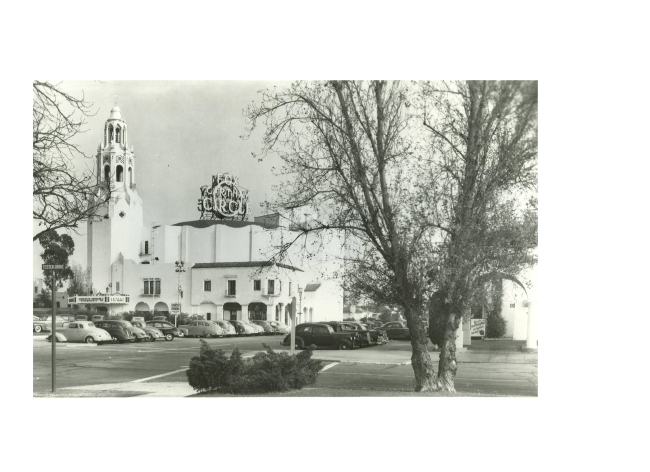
[227, 272]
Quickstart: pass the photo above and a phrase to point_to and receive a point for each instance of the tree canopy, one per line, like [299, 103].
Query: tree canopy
[425, 181]
[63, 196]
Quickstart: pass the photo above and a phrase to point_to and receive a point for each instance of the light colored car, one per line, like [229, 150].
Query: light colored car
[268, 329]
[208, 329]
[257, 329]
[82, 332]
[45, 323]
[280, 327]
[243, 328]
[140, 334]
[150, 331]
[228, 329]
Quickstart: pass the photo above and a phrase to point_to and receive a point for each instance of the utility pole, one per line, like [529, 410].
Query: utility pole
[53, 268]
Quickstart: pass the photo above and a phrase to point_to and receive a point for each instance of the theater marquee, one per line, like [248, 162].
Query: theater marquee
[223, 199]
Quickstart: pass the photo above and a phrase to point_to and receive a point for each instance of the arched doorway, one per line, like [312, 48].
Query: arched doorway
[231, 311]
[257, 311]
[208, 311]
[162, 308]
[142, 307]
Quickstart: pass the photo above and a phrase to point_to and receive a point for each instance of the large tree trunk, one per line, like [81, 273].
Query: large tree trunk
[447, 365]
[425, 375]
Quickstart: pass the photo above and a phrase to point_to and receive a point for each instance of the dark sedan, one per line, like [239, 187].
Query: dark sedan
[396, 330]
[118, 330]
[323, 335]
[168, 329]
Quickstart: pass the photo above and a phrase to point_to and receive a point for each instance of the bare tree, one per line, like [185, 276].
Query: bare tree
[483, 154]
[63, 196]
[352, 158]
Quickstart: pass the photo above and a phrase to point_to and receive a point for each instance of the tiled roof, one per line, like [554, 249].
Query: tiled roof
[312, 287]
[219, 265]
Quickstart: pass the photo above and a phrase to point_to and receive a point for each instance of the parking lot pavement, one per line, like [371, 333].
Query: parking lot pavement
[146, 368]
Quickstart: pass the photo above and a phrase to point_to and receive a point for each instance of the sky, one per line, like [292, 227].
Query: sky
[183, 133]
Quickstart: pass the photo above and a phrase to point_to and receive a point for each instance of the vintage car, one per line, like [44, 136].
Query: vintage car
[118, 330]
[243, 328]
[207, 329]
[280, 328]
[228, 329]
[364, 334]
[168, 329]
[97, 317]
[396, 330]
[257, 329]
[81, 318]
[45, 323]
[140, 334]
[268, 329]
[153, 333]
[82, 332]
[323, 335]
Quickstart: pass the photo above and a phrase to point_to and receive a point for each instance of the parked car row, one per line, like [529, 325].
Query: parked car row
[346, 334]
[221, 328]
[115, 331]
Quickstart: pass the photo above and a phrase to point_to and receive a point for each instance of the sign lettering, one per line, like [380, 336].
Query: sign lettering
[223, 199]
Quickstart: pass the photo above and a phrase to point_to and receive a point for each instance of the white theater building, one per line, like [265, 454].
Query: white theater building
[227, 273]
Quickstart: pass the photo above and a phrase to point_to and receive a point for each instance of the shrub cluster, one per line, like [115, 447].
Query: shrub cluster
[213, 371]
[496, 325]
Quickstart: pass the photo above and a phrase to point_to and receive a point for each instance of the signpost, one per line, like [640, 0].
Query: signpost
[175, 310]
[53, 268]
[292, 310]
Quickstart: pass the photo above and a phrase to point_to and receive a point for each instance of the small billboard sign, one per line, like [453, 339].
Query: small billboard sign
[477, 328]
[175, 309]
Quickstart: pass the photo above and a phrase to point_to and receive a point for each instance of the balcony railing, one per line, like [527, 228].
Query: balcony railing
[103, 299]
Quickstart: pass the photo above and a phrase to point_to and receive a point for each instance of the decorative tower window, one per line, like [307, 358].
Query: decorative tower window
[107, 173]
[118, 173]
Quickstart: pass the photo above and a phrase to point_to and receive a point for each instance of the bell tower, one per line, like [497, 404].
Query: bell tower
[115, 234]
[115, 160]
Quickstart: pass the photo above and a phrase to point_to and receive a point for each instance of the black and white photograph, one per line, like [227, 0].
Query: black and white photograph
[354, 235]
[306, 238]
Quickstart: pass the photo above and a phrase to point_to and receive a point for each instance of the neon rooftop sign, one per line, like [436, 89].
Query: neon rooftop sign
[223, 199]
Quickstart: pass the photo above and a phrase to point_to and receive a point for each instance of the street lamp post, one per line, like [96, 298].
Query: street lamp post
[180, 267]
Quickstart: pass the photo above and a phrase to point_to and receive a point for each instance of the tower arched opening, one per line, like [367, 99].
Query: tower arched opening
[118, 173]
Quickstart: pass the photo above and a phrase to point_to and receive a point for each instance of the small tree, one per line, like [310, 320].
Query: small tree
[79, 283]
[57, 250]
[44, 299]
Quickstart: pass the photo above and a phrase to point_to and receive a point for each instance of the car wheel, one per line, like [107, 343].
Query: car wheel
[299, 344]
[152, 338]
[169, 337]
[89, 340]
[38, 328]
[115, 340]
[344, 346]
[182, 335]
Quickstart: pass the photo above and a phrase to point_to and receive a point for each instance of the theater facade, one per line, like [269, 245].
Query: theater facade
[219, 266]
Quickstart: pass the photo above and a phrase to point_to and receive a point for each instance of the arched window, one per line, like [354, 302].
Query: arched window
[107, 173]
[110, 133]
[130, 177]
[118, 134]
[118, 173]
